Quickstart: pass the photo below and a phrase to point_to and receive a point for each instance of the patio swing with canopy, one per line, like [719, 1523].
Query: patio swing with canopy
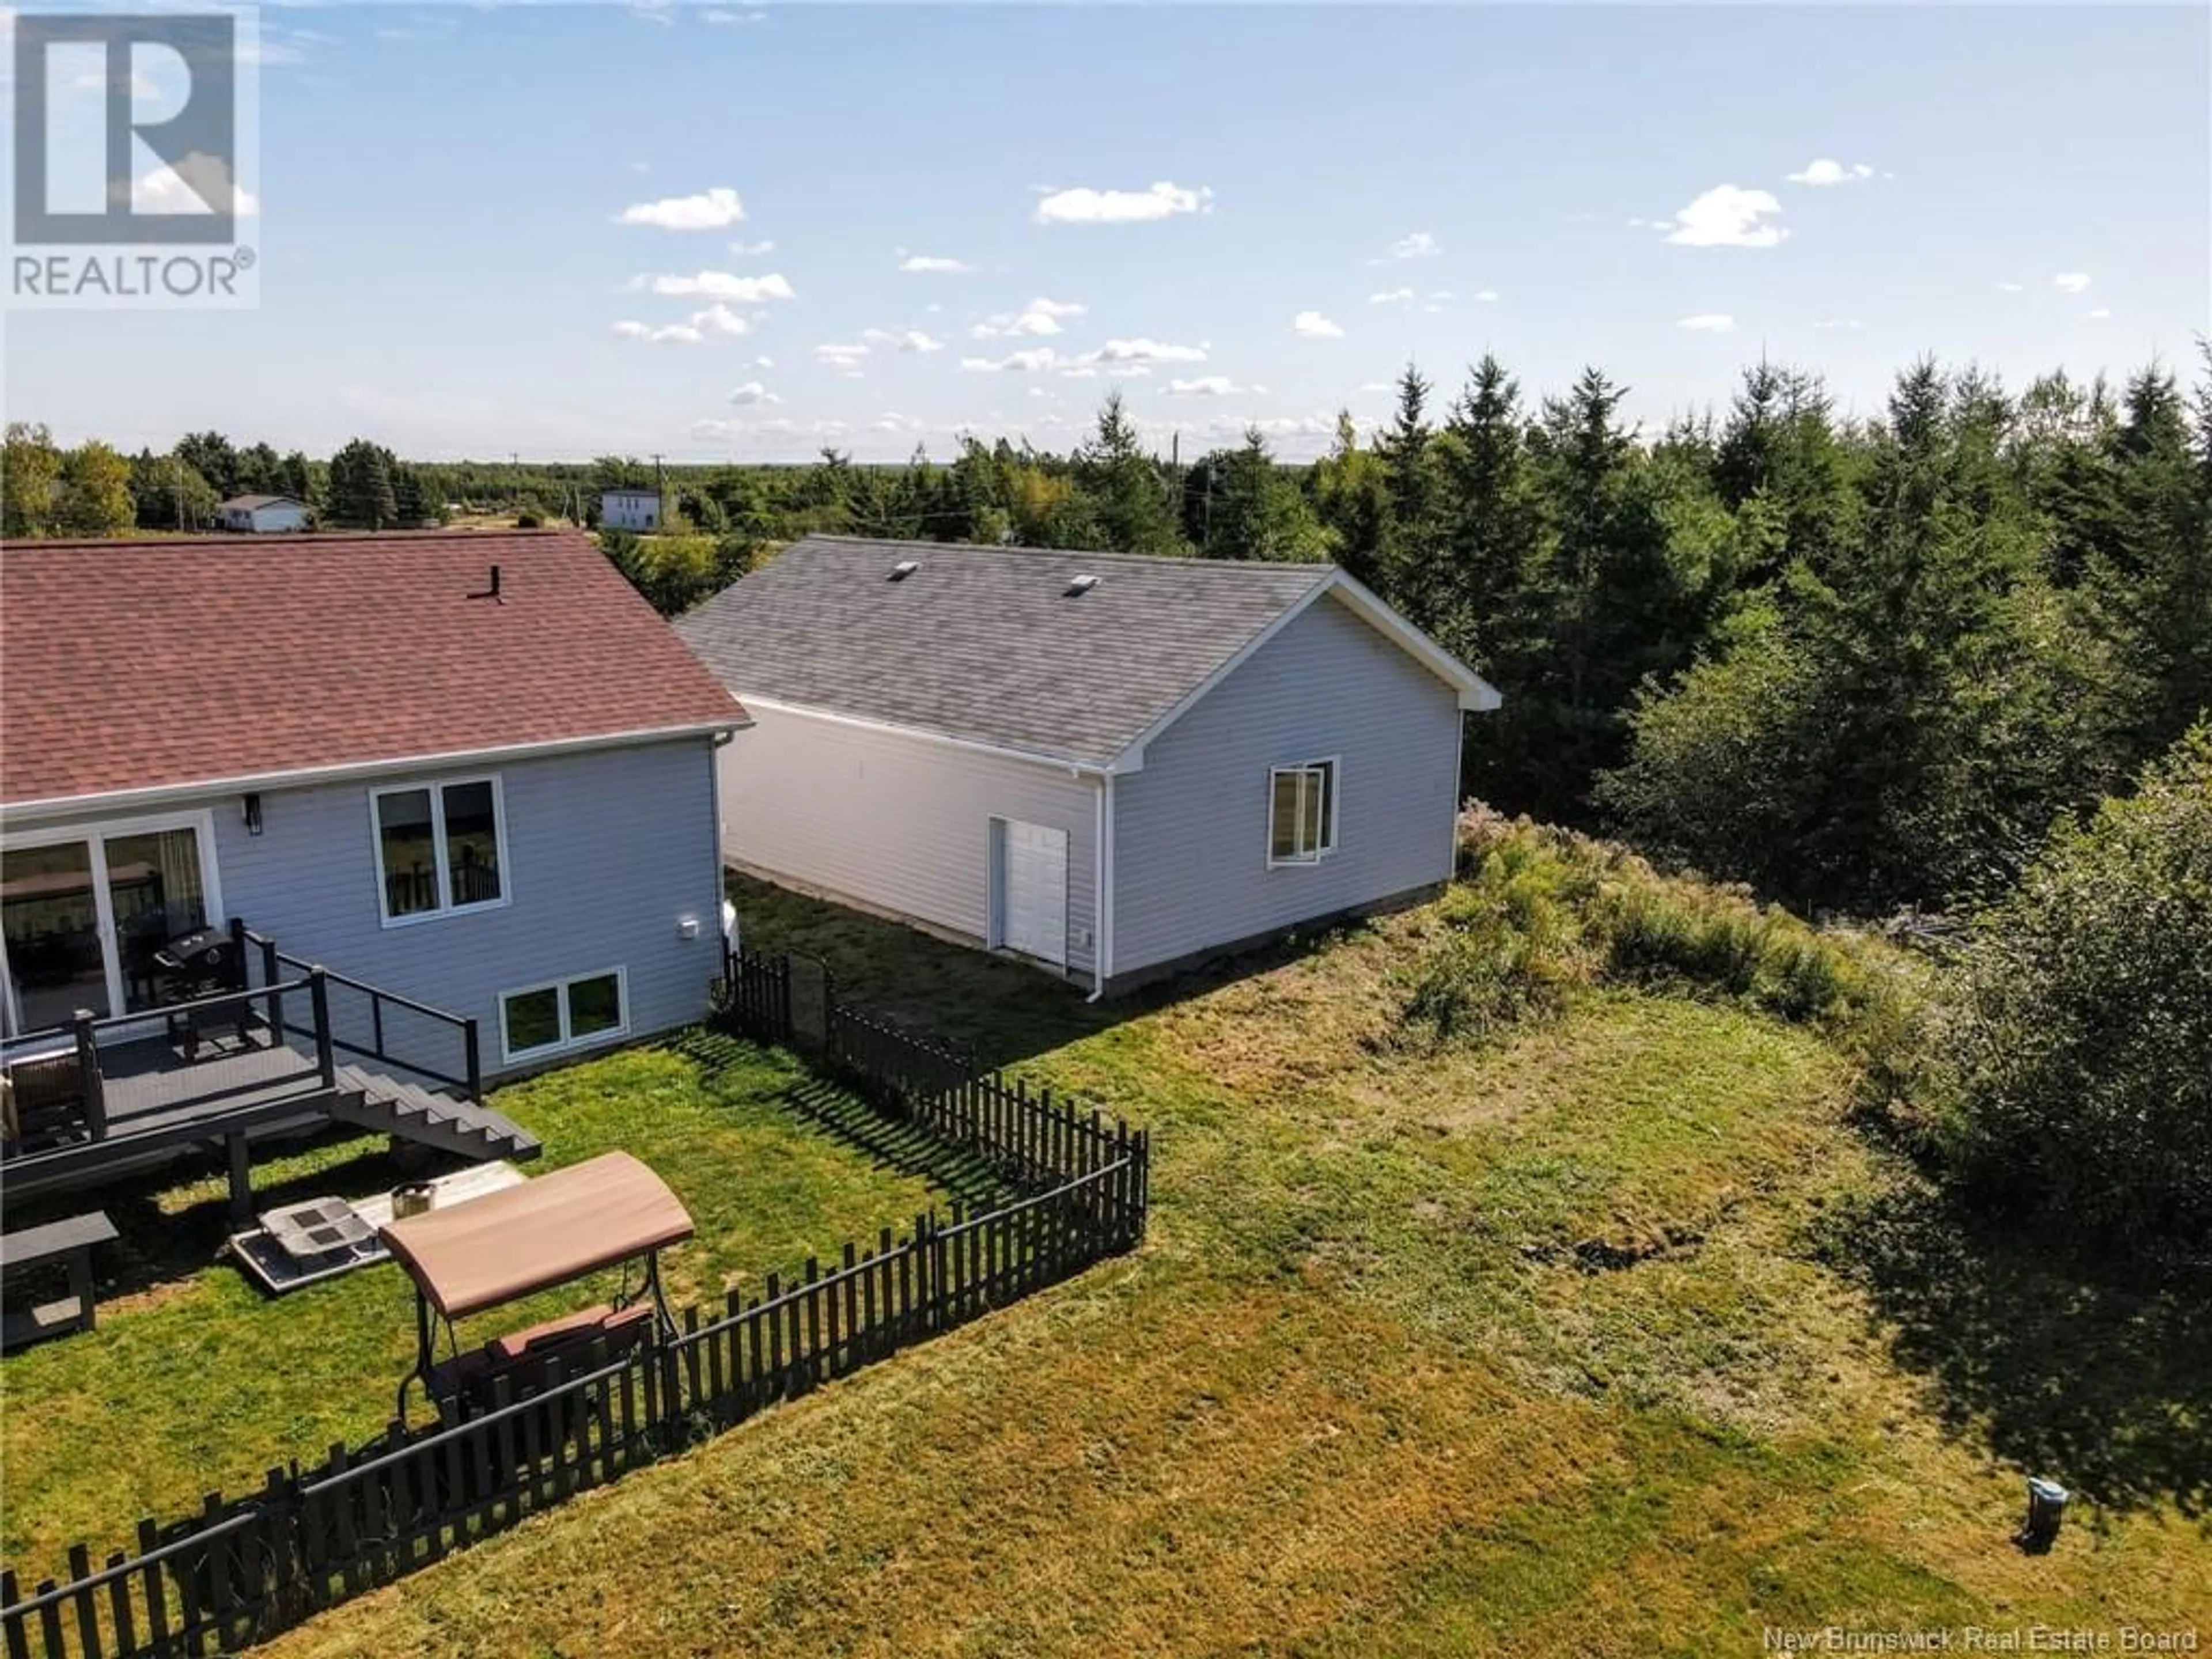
[612, 1211]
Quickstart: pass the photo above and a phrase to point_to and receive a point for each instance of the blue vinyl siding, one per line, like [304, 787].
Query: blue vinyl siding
[1190, 830]
[607, 852]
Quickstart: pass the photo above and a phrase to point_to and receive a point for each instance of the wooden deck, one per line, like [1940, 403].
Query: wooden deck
[151, 1087]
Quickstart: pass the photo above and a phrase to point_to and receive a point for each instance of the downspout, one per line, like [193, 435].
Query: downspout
[1458, 794]
[1100, 908]
[722, 912]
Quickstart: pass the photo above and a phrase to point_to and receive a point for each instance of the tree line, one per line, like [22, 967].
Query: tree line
[1858, 663]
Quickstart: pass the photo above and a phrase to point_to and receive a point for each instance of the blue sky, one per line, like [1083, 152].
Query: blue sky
[1261, 212]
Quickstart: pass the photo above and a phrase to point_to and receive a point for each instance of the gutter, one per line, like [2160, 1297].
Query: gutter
[63, 808]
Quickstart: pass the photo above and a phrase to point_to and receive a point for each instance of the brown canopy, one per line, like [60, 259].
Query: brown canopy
[547, 1231]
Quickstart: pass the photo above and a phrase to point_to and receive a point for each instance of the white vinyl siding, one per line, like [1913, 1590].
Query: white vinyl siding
[897, 823]
[1190, 830]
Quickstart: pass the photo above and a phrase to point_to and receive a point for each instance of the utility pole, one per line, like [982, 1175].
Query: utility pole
[659, 496]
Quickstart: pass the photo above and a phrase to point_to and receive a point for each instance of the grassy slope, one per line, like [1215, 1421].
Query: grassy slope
[194, 1379]
[1361, 1393]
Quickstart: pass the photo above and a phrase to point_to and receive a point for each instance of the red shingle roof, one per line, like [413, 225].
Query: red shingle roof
[144, 665]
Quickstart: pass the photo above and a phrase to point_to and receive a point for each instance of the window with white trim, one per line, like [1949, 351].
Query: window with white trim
[1300, 813]
[542, 1020]
[441, 848]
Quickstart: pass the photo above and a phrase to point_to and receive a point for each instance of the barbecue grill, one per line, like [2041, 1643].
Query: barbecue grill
[190, 967]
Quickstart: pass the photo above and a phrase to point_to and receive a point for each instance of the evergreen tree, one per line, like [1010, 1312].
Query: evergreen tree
[1472, 597]
[1352, 498]
[1257, 512]
[1127, 494]
[293, 479]
[361, 495]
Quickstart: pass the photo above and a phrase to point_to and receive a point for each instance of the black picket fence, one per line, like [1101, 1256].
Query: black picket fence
[244, 1569]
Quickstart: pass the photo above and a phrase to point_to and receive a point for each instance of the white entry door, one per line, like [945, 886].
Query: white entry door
[1033, 891]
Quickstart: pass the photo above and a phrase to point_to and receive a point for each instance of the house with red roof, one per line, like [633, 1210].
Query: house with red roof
[474, 771]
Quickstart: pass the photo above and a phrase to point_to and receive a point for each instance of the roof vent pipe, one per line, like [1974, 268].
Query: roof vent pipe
[1079, 586]
[491, 593]
[901, 570]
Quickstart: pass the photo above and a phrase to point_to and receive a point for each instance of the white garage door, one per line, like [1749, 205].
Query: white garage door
[1033, 890]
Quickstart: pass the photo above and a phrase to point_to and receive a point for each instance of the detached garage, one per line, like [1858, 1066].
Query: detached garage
[1109, 765]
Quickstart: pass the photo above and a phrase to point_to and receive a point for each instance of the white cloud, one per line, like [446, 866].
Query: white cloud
[1129, 358]
[2012, 288]
[716, 285]
[671, 334]
[1488, 296]
[1390, 296]
[779, 426]
[1039, 317]
[2100, 314]
[652, 11]
[1852, 323]
[904, 339]
[1084, 206]
[179, 189]
[889, 422]
[753, 393]
[1146, 351]
[934, 264]
[846, 356]
[1419, 246]
[2070, 282]
[751, 250]
[1445, 293]
[1377, 386]
[716, 209]
[1312, 325]
[1212, 386]
[719, 319]
[1037, 359]
[763, 362]
[1709, 322]
[1825, 172]
[1728, 216]
[718, 16]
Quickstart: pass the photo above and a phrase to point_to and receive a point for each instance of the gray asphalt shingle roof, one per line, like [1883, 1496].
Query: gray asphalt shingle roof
[983, 643]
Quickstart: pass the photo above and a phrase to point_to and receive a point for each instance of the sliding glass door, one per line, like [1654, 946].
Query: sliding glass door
[50, 911]
[81, 916]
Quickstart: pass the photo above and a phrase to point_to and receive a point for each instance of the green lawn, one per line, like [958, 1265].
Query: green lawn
[194, 1380]
[1615, 1338]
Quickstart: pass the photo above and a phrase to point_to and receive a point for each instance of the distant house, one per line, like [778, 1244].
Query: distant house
[475, 771]
[629, 509]
[263, 513]
[1110, 765]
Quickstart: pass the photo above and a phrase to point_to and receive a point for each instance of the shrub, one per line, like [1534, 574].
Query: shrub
[1538, 913]
[2072, 1056]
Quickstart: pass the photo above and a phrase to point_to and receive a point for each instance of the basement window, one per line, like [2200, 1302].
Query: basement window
[539, 1021]
[1302, 812]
